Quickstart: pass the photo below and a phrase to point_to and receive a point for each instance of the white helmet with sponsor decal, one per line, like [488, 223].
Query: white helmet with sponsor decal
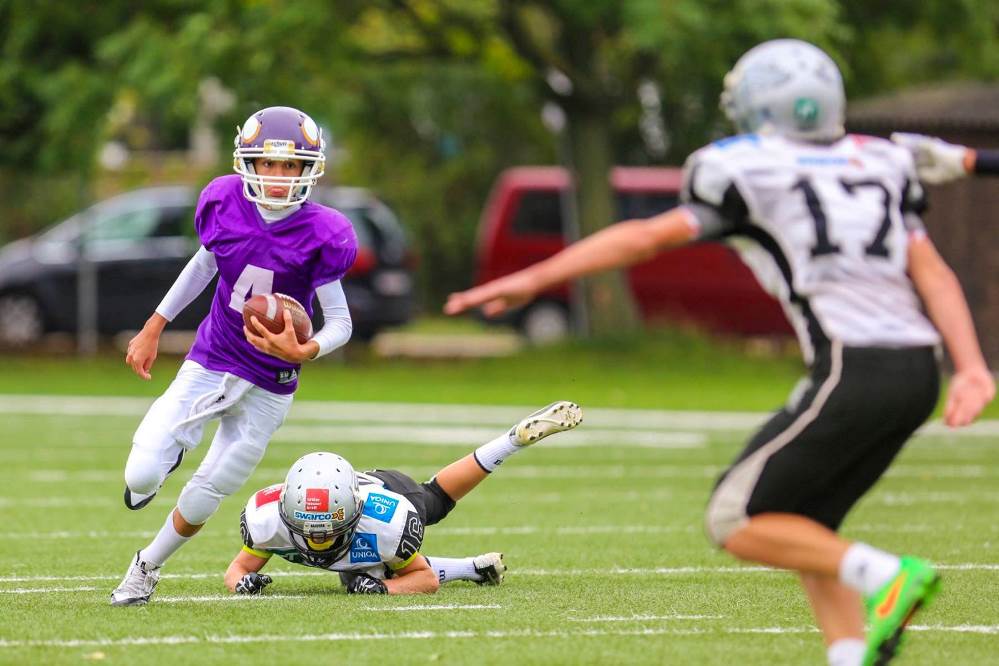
[787, 87]
[321, 505]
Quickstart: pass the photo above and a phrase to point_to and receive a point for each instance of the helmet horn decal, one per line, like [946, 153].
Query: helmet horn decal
[279, 133]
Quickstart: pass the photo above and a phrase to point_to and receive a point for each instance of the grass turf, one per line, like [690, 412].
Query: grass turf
[607, 562]
[660, 370]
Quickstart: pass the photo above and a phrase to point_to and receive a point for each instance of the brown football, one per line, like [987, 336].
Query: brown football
[269, 311]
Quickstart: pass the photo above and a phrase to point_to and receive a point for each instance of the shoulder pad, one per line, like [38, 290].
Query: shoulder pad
[883, 148]
[412, 537]
[705, 177]
[737, 140]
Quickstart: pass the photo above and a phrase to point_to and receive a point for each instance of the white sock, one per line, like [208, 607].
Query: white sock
[492, 454]
[450, 568]
[164, 544]
[846, 652]
[867, 569]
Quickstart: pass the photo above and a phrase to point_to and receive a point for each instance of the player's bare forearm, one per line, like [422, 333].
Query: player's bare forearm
[241, 565]
[619, 245]
[943, 297]
[142, 349]
[417, 578]
[972, 386]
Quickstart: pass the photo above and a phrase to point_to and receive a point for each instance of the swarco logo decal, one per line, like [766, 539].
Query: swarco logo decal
[380, 507]
[320, 517]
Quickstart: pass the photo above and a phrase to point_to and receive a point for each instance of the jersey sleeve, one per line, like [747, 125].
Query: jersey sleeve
[709, 192]
[205, 223]
[248, 542]
[336, 255]
[986, 162]
[913, 193]
[913, 199]
[409, 542]
[258, 522]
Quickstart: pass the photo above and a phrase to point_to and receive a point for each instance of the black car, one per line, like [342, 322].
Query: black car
[139, 242]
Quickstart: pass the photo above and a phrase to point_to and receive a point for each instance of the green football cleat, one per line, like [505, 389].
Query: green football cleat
[891, 608]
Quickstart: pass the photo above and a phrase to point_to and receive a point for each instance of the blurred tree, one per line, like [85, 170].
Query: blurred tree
[53, 94]
[592, 57]
[428, 99]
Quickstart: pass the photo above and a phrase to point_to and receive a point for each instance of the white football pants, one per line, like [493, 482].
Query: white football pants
[248, 416]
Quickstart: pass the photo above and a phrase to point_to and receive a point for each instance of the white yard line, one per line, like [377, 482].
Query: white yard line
[91, 534]
[58, 501]
[423, 435]
[448, 414]
[47, 590]
[510, 530]
[432, 635]
[404, 609]
[615, 571]
[643, 618]
[228, 598]
[909, 470]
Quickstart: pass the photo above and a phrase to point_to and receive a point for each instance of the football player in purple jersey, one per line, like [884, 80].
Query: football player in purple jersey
[260, 234]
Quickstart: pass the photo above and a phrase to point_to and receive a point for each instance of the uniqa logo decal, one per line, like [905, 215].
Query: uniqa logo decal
[364, 548]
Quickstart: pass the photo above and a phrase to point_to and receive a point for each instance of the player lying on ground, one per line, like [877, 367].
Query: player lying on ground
[829, 223]
[369, 525]
[940, 162]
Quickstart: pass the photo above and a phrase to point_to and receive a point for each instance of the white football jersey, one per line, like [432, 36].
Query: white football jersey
[825, 229]
[389, 533]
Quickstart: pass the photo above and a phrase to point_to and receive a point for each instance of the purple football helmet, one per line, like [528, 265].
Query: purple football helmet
[279, 133]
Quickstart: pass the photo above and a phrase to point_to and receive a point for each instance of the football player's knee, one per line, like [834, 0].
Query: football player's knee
[229, 478]
[721, 521]
[142, 472]
[199, 503]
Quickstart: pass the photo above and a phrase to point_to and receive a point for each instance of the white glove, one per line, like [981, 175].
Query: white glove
[936, 161]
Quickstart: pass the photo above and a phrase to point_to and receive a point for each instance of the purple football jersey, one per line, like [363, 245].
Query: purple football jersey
[311, 247]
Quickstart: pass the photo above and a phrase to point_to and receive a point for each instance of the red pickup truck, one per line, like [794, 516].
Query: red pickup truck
[705, 283]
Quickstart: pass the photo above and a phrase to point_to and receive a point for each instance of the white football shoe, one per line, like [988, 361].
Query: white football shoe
[491, 567]
[556, 417]
[137, 585]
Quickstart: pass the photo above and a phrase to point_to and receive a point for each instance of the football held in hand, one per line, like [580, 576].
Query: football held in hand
[269, 311]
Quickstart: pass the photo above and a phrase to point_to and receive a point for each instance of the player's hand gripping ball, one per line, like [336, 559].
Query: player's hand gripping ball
[269, 311]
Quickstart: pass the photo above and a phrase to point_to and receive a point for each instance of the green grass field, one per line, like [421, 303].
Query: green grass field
[608, 562]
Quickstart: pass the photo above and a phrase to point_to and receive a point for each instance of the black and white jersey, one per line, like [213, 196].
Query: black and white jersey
[389, 533]
[825, 229]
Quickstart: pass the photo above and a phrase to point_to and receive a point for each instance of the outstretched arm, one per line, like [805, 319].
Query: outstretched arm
[940, 162]
[616, 246]
[972, 386]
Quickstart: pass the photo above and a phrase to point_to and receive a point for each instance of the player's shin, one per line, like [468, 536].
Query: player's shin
[166, 542]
